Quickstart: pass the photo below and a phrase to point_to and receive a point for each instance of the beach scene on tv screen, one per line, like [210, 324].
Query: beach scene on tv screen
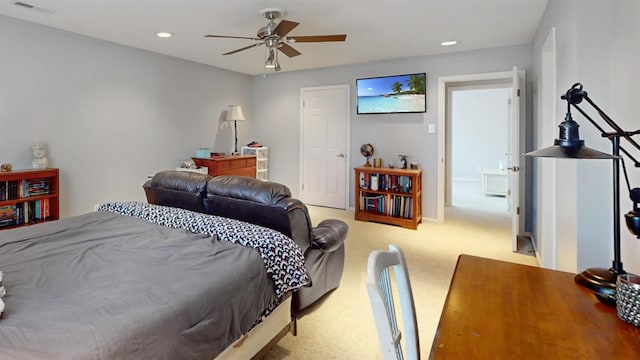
[402, 93]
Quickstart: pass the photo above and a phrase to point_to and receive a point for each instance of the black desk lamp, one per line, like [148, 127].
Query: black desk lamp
[600, 280]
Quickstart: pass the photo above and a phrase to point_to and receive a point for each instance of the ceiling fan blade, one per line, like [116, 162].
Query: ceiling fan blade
[317, 38]
[231, 37]
[284, 27]
[288, 50]
[241, 49]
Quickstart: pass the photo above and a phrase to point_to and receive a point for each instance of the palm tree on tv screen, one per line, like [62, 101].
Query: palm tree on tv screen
[396, 87]
[417, 84]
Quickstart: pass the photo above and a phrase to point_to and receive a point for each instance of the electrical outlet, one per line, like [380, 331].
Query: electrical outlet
[432, 128]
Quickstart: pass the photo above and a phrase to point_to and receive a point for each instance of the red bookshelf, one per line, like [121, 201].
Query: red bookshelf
[389, 195]
[28, 197]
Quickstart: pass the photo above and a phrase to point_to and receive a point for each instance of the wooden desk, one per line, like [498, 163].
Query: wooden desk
[500, 310]
[243, 165]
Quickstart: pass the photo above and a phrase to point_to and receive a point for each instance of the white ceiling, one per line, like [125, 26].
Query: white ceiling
[376, 29]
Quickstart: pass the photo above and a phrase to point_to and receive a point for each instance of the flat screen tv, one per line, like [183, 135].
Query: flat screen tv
[392, 94]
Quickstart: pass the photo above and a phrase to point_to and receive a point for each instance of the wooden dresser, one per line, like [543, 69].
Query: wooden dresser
[243, 165]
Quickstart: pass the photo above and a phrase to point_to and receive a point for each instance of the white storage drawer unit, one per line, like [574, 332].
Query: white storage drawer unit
[262, 160]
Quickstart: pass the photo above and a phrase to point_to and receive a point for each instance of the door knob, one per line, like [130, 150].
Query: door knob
[514, 168]
[340, 155]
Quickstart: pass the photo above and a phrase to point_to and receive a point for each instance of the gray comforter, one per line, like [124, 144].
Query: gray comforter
[107, 286]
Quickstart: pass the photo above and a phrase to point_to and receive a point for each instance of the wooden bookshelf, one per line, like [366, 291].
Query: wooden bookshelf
[390, 196]
[28, 197]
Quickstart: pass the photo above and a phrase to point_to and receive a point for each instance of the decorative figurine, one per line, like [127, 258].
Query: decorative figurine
[5, 167]
[39, 151]
[403, 159]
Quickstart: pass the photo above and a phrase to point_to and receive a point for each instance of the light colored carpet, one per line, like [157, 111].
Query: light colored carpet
[341, 325]
[468, 194]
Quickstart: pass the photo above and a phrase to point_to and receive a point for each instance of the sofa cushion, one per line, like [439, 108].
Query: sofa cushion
[180, 189]
[247, 188]
[181, 180]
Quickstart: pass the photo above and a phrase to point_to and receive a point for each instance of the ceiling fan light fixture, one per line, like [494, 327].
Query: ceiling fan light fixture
[271, 61]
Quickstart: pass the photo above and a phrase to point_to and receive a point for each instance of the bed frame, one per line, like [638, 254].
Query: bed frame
[259, 340]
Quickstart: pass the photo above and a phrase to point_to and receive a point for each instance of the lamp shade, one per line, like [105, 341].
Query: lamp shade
[558, 151]
[569, 144]
[235, 113]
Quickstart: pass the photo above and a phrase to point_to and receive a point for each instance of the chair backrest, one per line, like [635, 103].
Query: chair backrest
[382, 304]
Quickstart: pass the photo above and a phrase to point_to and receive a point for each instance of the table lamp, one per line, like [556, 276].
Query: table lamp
[569, 145]
[235, 114]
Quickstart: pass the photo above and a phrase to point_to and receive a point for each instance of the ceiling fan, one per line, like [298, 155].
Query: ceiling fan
[273, 36]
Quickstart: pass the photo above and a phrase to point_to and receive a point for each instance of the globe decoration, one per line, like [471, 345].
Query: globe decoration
[367, 151]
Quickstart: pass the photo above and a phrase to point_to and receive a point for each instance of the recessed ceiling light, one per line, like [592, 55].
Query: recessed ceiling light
[448, 43]
[164, 34]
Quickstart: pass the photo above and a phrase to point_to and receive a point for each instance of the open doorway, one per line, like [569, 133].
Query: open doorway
[478, 122]
[515, 176]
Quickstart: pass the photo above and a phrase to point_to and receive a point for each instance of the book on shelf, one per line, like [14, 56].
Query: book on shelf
[7, 215]
[392, 205]
[400, 206]
[385, 182]
[18, 189]
[36, 187]
[372, 202]
[25, 212]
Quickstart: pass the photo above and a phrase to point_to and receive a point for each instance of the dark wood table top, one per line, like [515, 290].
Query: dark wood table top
[501, 310]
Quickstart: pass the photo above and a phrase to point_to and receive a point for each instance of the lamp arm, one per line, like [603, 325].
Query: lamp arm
[593, 122]
[626, 176]
[635, 162]
[604, 116]
[618, 131]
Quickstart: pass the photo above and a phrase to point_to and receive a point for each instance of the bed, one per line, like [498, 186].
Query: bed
[142, 281]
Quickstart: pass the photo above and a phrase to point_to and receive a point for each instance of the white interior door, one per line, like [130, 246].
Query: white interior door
[513, 159]
[325, 120]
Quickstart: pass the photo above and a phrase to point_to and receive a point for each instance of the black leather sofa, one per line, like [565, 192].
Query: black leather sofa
[263, 203]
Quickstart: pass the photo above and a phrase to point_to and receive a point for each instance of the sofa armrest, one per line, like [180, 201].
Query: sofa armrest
[329, 235]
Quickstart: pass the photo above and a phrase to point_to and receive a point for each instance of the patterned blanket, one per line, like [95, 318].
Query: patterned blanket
[282, 256]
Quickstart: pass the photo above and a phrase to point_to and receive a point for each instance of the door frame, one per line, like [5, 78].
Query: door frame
[444, 82]
[547, 229]
[347, 135]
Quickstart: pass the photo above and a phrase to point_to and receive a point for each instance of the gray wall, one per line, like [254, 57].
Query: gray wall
[625, 77]
[479, 122]
[111, 115]
[276, 105]
[597, 46]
